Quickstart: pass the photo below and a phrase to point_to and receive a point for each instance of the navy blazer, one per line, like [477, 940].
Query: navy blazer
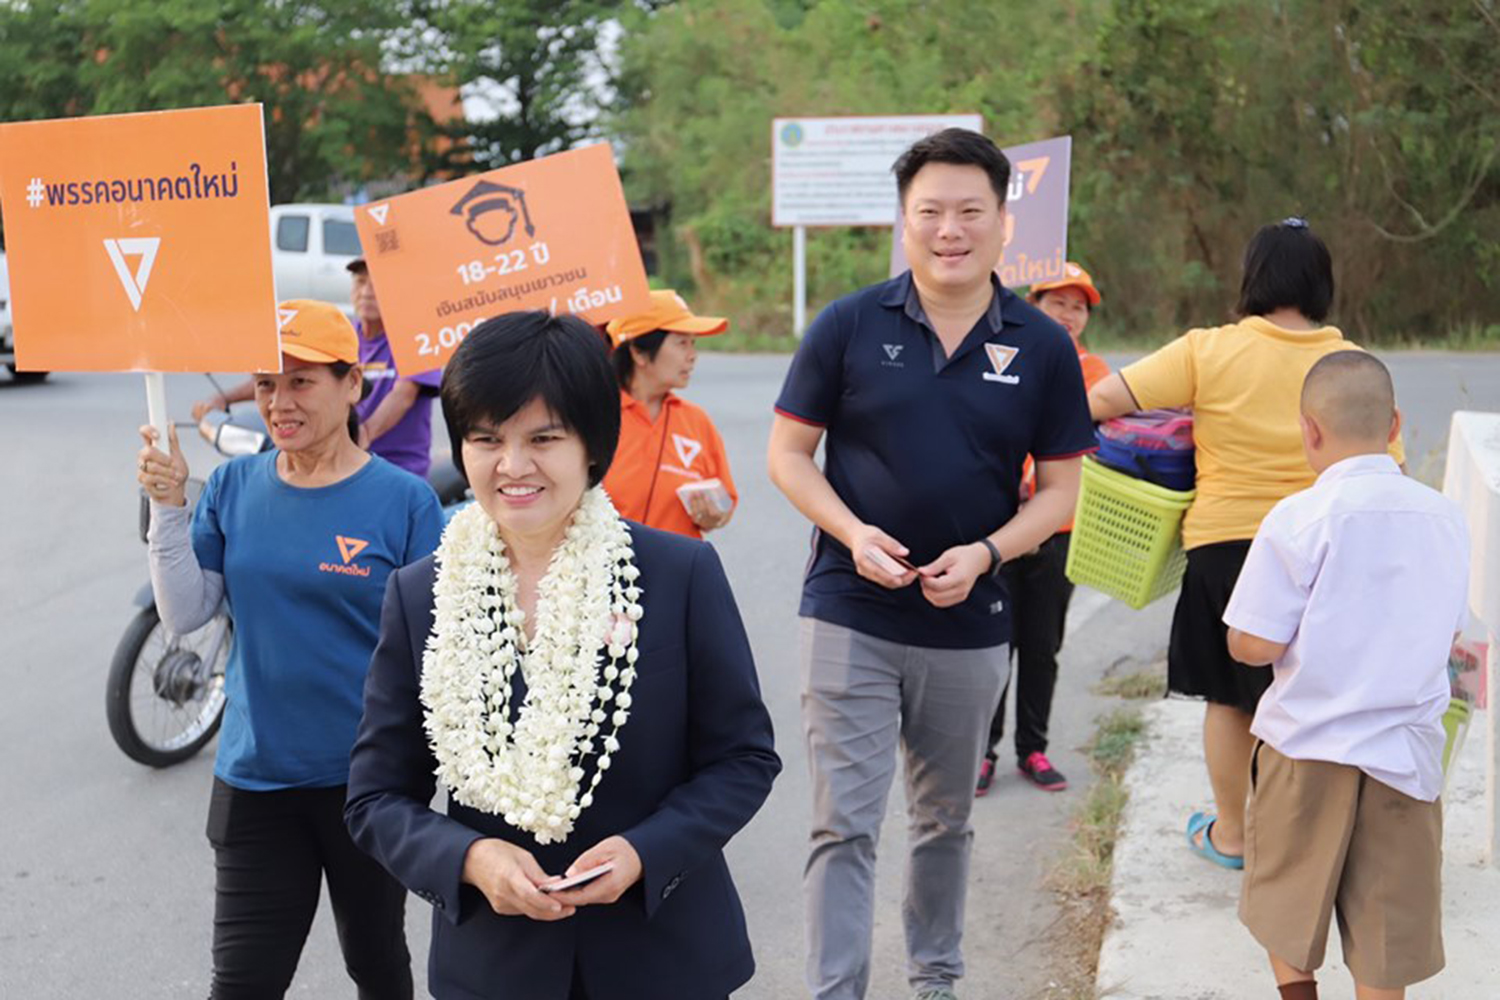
[695, 763]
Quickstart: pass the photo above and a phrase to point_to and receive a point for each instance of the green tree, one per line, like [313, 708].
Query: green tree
[332, 111]
[537, 62]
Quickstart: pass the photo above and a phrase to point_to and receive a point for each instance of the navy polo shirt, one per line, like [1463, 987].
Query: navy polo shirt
[929, 448]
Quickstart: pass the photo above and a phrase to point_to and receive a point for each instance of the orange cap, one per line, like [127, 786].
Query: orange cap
[317, 331]
[668, 312]
[1073, 277]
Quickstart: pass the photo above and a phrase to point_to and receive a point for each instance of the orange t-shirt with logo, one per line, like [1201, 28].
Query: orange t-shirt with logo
[1094, 369]
[655, 457]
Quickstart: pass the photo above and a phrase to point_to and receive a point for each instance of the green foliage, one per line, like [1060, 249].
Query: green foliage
[1194, 122]
[532, 59]
[332, 114]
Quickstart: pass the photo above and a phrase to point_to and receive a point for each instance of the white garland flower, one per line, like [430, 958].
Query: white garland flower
[578, 669]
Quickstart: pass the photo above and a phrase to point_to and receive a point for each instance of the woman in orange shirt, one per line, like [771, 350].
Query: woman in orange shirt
[666, 443]
[1038, 589]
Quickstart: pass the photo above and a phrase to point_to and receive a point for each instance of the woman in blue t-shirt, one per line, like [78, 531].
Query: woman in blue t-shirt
[299, 541]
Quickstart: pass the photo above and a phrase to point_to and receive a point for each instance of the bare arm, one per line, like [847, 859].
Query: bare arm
[789, 459]
[1049, 508]
[1111, 397]
[242, 393]
[1252, 650]
[392, 408]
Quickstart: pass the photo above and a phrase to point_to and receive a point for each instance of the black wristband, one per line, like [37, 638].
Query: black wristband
[996, 559]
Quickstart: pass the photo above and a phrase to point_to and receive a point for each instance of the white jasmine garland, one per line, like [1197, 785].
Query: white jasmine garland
[578, 669]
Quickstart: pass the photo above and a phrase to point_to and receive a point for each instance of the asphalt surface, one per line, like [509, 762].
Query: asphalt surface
[106, 878]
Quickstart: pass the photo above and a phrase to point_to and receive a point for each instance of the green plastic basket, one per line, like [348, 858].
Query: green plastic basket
[1127, 539]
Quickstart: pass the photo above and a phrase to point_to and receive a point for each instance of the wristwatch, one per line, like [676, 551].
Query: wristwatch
[996, 559]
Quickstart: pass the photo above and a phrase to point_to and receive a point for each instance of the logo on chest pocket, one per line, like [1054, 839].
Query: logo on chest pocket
[1001, 356]
[349, 550]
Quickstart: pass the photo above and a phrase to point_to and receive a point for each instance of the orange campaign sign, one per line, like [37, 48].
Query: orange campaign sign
[140, 242]
[550, 234]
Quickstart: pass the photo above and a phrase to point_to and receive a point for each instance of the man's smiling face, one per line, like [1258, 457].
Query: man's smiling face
[954, 226]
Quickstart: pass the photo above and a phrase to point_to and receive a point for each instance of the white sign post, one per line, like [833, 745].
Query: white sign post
[837, 172]
[1472, 480]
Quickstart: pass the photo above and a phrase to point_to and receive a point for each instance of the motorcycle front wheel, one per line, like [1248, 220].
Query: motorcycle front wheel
[165, 696]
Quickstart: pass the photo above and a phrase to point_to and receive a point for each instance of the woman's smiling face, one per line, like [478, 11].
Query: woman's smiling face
[528, 473]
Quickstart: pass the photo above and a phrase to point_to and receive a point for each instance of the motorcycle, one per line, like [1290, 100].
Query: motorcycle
[164, 698]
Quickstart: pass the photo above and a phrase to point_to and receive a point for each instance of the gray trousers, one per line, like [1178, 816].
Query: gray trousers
[860, 697]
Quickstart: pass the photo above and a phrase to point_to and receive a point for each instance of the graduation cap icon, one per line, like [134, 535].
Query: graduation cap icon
[491, 211]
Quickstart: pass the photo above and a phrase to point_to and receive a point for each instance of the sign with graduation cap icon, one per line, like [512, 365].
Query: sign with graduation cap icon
[550, 234]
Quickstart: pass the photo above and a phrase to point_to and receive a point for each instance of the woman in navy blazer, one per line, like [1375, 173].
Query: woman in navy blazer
[533, 410]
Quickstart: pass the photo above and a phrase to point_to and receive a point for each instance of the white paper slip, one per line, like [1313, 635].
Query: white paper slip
[717, 495]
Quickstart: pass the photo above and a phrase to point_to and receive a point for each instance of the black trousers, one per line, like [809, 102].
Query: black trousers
[1039, 594]
[272, 851]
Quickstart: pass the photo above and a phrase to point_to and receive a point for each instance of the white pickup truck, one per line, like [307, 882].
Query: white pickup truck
[311, 247]
[7, 331]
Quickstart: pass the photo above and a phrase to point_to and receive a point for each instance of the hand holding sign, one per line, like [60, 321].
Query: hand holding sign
[550, 234]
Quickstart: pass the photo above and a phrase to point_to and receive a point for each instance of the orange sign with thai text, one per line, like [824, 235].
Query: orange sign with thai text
[550, 234]
[140, 242]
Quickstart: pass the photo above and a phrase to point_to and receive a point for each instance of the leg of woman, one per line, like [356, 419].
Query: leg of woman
[267, 879]
[369, 906]
[1038, 641]
[1227, 745]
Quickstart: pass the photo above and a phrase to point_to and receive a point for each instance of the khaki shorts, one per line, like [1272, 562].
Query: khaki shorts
[1324, 838]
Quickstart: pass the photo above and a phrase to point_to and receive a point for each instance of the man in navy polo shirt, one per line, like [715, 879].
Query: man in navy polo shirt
[931, 388]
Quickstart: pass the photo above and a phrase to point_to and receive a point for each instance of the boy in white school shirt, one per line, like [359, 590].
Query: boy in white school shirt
[1352, 592]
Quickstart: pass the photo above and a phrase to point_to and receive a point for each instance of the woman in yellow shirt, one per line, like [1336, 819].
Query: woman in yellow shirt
[1244, 382]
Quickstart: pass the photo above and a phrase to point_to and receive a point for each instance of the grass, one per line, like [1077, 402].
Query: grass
[735, 341]
[1135, 686]
[1082, 878]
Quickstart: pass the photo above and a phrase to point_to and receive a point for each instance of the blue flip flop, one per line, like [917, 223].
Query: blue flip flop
[1202, 823]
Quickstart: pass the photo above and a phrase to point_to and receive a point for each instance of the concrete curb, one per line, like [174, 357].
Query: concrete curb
[1176, 935]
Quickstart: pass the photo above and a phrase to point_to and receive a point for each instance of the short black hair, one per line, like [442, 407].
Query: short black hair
[960, 146]
[1287, 265]
[648, 344]
[506, 362]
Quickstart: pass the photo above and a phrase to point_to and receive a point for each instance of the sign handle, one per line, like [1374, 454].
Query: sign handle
[156, 408]
[799, 280]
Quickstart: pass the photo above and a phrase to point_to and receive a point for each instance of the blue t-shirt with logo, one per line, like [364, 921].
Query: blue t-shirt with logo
[304, 574]
[929, 447]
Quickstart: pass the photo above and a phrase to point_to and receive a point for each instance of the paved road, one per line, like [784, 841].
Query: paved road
[105, 877]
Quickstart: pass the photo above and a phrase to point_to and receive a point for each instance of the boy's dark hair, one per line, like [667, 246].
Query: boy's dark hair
[960, 146]
[508, 361]
[1287, 264]
[648, 344]
[1351, 394]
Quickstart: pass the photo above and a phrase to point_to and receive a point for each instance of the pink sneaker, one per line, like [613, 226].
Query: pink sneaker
[1041, 772]
[986, 776]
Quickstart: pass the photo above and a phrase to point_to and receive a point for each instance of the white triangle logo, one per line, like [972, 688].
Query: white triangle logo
[284, 316]
[687, 449]
[378, 213]
[135, 284]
